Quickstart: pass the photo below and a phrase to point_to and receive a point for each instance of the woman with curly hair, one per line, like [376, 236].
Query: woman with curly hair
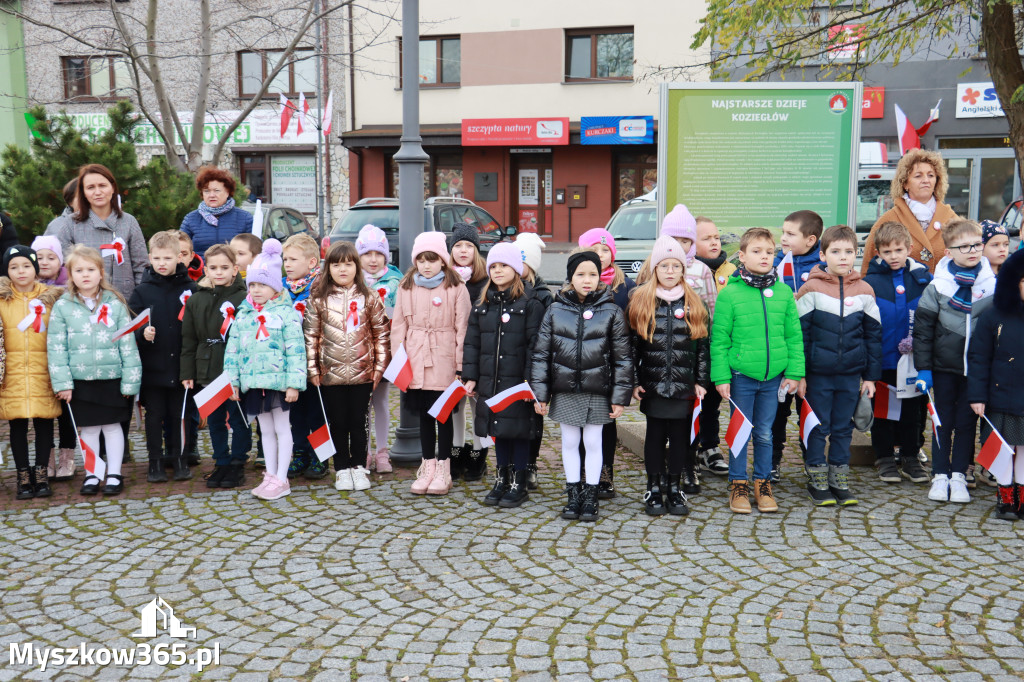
[217, 220]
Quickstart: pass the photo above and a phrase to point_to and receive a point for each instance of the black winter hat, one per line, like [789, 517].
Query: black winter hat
[1007, 296]
[577, 259]
[464, 232]
[20, 251]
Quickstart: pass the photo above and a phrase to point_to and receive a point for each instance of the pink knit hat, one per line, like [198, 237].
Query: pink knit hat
[51, 244]
[666, 247]
[433, 242]
[680, 223]
[507, 253]
[598, 235]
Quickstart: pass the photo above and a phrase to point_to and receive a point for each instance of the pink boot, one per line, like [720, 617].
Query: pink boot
[423, 477]
[442, 481]
[383, 462]
[369, 461]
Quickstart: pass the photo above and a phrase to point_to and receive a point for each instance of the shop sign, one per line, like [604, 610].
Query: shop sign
[499, 132]
[977, 100]
[261, 127]
[293, 180]
[617, 130]
[874, 103]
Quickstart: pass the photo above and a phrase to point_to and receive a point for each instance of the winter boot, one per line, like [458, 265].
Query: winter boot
[1006, 503]
[839, 484]
[181, 472]
[42, 482]
[235, 475]
[65, 465]
[217, 476]
[888, 470]
[763, 495]
[817, 486]
[606, 486]
[573, 492]
[51, 467]
[424, 476]
[383, 461]
[156, 471]
[458, 459]
[26, 488]
[501, 476]
[691, 480]
[517, 491]
[589, 503]
[476, 465]
[442, 481]
[739, 497]
[531, 477]
[653, 503]
[675, 500]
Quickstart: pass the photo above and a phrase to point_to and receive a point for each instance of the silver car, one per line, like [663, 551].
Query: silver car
[635, 228]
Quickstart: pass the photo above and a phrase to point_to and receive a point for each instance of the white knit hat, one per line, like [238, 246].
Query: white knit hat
[530, 246]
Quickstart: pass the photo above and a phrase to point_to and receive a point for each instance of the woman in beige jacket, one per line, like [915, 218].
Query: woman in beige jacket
[347, 349]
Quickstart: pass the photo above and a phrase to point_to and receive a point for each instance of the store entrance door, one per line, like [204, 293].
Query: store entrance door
[982, 182]
[532, 193]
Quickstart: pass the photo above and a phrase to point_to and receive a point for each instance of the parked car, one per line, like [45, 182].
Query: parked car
[281, 222]
[439, 214]
[635, 228]
[1011, 218]
[873, 198]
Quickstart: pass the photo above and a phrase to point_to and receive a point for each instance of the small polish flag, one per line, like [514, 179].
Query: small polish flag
[698, 405]
[739, 431]
[94, 466]
[936, 422]
[399, 372]
[887, 405]
[487, 441]
[443, 406]
[785, 268]
[997, 456]
[323, 444]
[499, 401]
[286, 113]
[933, 116]
[808, 420]
[905, 132]
[213, 396]
[137, 323]
[326, 124]
[303, 112]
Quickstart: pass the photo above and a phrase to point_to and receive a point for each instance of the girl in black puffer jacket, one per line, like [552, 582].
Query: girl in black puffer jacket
[495, 357]
[583, 365]
[673, 362]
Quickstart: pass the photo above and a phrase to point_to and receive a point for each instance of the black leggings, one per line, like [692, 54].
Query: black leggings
[676, 432]
[347, 408]
[65, 429]
[514, 451]
[19, 441]
[163, 406]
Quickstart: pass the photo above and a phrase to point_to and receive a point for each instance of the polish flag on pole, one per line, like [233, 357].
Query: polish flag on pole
[785, 268]
[399, 372]
[94, 466]
[303, 112]
[808, 420]
[137, 323]
[213, 396]
[257, 219]
[887, 405]
[933, 116]
[738, 434]
[936, 422]
[184, 406]
[905, 132]
[286, 113]
[695, 420]
[500, 401]
[323, 444]
[326, 125]
[997, 456]
[443, 406]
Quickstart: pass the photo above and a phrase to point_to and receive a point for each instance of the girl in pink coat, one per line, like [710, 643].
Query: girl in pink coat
[431, 316]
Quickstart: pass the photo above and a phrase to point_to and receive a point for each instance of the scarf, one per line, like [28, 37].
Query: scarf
[713, 263]
[429, 282]
[254, 304]
[965, 277]
[923, 212]
[764, 281]
[671, 295]
[297, 286]
[465, 271]
[210, 214]
[608, 274]
[370, 280]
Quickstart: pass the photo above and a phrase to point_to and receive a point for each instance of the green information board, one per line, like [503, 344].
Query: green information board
[748, 154]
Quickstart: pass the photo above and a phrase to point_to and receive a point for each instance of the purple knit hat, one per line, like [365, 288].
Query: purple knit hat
[507, 253]
[372, 238]
[266, 267]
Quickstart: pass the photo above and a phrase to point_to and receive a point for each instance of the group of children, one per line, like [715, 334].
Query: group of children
[695, 330]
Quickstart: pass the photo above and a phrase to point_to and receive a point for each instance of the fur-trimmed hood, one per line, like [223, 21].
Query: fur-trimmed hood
[48, 295]
[1007, 296]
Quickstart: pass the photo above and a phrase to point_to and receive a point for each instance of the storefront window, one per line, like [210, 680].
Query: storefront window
[637, 175]
[283, 179]
[442, 176]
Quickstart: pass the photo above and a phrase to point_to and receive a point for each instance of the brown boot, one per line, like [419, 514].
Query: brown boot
[739, 497]
[764, 497]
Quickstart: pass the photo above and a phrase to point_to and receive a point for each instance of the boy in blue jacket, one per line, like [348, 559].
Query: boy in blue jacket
[898, 282]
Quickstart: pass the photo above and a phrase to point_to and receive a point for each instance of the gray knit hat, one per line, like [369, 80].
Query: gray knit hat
[465, 232]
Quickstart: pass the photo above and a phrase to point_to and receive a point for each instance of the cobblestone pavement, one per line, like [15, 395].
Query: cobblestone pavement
[384, 585]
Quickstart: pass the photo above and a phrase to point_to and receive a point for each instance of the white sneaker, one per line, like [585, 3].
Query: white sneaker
[343, 480]
[958, 489]
[360, 478]
[940, 488]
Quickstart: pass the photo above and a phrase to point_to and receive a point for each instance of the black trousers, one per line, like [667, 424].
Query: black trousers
[163, 406]
[445, 433]
[677, 433]
[955, 449]
[887, 435]
[514, 451]
[347, 409]
[708, 439]
[19, 441]
[65, 429]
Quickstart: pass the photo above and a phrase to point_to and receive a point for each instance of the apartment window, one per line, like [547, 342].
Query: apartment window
[440, 61]
[297, 76]
[103, 77]
[599, 54]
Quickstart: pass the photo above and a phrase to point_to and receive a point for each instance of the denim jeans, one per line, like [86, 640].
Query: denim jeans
[833, 399]
[757, 400]
[241, 434]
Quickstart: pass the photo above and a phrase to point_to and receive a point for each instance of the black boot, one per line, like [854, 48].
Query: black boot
[476, 465]
[235, 475]
[156, 470]
[531, 477]
[458, 461]
[606, 487]
[588, 503]
[691, 481]
[675, 500]
[1006, 504]
[653, 504]
[517, 491]
[26, 489]
[181, 472]
[501, 476]
[217, 476]
[571, 510]
[42, 482]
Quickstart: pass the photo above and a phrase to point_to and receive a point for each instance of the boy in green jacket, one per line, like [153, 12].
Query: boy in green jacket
[756, 347]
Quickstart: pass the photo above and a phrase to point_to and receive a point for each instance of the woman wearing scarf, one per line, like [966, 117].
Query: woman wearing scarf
[217, 220]
[917, 192]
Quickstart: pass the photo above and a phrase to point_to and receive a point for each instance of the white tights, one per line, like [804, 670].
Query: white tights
[113, 439]
[277, 441]
[459, 439]
[381, 417]
[591, 434]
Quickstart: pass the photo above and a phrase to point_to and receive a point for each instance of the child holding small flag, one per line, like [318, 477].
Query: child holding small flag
[842, 348]
[672, 355]
[531, 247]
[995, 386]
[431, 316]
[96, 374]
[209, 317]
[164, 289]
[265, 359]
[949, 309]
[497, 352]
[25, 391]
[347, 348]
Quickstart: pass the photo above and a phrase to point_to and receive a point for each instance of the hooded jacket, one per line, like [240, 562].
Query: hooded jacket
[388, 281]
[275, 363]
[25, 389]
[342, 355]
[671, 364]
[997, 346]
[840, 325]
[802, 266]
[897, 293]
[583, 347]
[163, 295]
[202, 344]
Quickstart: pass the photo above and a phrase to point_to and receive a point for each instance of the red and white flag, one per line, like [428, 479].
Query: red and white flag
[303, 112]
[739, 431]
[399, 372]
[499, 401]
[443, 406]
[933, 116]
[326, 125]
[323, 444]
[785, 268]
[94, 466]
[287, 110]
[227, 311]
[34, 319]
[887, 405]
[808, 420]
[137, 323]
[905, 132]
[213, 396]
[698, 405]
[115, 248]
[997, 456]
[936, 422]
[185, 295]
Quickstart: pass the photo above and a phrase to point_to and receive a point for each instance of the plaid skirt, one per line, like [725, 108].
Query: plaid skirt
[580, 409]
